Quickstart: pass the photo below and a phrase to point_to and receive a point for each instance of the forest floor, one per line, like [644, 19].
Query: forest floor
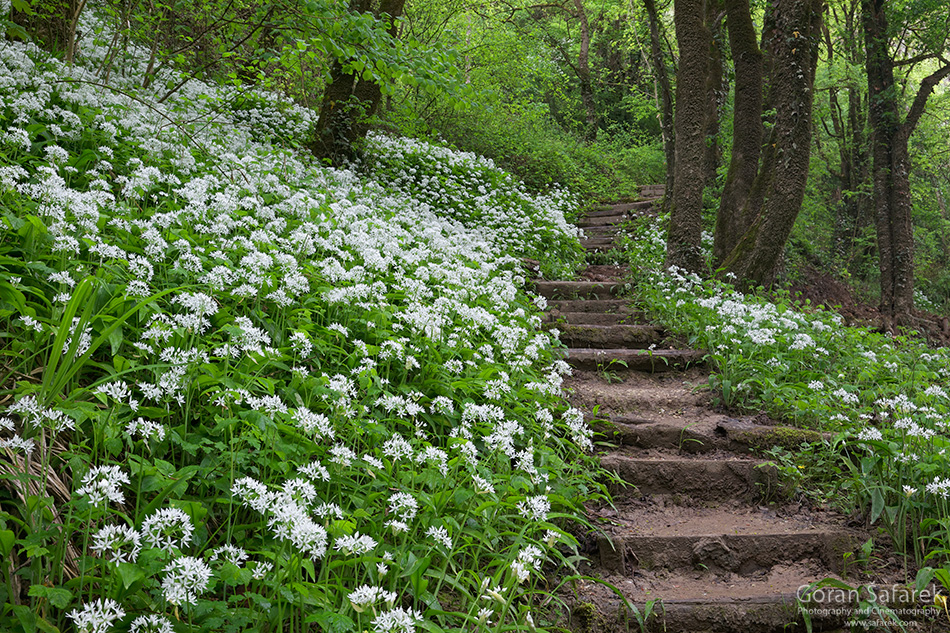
[821, 288]
[702, 533]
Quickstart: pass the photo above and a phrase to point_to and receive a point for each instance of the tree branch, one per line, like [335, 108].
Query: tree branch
[920, 101]
[915, 59]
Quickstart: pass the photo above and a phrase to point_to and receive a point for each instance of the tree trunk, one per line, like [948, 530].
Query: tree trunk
[349, 101]
[890, 165]
[731, 223]
[583, 74]
[666, 98]
[792, 41]
[685, 232]
[716, 90]
[851, 201]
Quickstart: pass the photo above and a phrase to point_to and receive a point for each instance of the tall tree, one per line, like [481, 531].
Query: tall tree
[735, 217]
[891, 133]
[717, 88]
[693, 39]
[791, 33]
[850, 195]
[352, 95]
[665, 90]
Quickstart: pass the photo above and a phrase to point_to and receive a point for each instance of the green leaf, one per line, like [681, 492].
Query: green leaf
[26, 617]
[877, 504]
[7, 538]
[332, 622]
[924, 578]
[115, 340]
[57, 596]
[129, 574]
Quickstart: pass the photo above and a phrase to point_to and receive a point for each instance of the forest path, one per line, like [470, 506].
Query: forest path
[699, 526]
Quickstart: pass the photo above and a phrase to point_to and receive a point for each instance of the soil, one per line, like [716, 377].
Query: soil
[822, 289]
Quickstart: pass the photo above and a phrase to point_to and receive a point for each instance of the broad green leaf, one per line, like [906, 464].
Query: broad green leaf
[332, 622]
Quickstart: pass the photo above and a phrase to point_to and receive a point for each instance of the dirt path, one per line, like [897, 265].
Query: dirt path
[699, 526]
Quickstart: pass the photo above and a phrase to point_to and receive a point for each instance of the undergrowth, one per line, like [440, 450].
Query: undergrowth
[244, 392]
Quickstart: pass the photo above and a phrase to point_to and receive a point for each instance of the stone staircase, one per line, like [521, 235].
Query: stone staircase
[699, 527]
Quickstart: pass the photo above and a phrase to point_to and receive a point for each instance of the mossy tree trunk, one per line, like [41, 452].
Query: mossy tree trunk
[890, 134]
[665, 90]
[717, 88]
[693, 39]
[735, 217]
[791, 36]
[584, 76]
[349, 101]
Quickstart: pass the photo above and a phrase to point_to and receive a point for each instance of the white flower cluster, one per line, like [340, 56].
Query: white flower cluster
[235, 244]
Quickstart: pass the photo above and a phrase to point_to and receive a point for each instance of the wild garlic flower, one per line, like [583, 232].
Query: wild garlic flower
[185, 579]
[397, 620]
[870, 433]
[145, 429]
[315, 471]
[103, 484]
[229, 553]
[528, 560]
[435, 457]
[117, 543]
[440, 535]
[404, 505]
[397, 448]
[97, 616]
[342, 455]
[151, 624]
[261, 569]
[315, 423]
[31, 323]
[17, 443]
[442, 405]
[535, 508]
[939, 487]
[167, 529]
[578, 428]
[117, 390]
[355, 544]
[85, 336]
[482, 486]
[367, 595]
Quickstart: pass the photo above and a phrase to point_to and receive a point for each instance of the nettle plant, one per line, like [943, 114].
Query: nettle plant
[245, 392]
[881, 400]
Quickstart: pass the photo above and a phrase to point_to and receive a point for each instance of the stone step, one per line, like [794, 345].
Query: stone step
[605, 306]
[578, 289]
[696, 434]
[593, 232]
[640, 205]
[590, 318]
[634, 359]
[728, 477]
[599, 243]
[633, 393]
[709, 602]
[603, 220]
[608, 336]
[600, 212]
[738, 540]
